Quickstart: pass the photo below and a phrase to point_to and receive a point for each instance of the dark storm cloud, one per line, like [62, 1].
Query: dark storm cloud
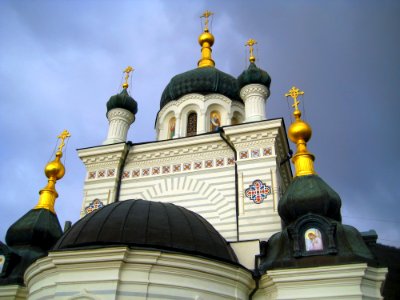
[61, 61]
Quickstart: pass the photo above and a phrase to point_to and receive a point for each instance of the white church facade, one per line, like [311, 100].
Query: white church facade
[210, 210]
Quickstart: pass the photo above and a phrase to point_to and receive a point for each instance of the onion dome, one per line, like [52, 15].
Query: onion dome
[253, 74]
[147, 224]
[205, 80]
[122, 100]
[309, 194]
[37, 228]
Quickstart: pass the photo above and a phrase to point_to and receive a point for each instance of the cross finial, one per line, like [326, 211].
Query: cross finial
[64, 135]
[251, 43]
[294, 93]
[206, 15]
[128, 70]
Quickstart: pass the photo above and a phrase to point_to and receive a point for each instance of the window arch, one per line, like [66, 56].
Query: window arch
[191, 128]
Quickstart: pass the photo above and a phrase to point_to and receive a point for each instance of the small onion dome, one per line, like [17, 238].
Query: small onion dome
[37, 228]
[122, 100]
[148, 224]
[205, 80]
[253, 74]
[309, 194]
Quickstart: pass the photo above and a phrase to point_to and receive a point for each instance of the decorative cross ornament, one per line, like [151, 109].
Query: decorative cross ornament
[251, 43]
[206, 15]
[64, 135]
[258, 191]
[128, 70]
[94, 205]
[294, 93]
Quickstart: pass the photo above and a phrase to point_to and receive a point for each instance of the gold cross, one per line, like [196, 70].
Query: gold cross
[294, 93]
[128, 70]
[251, 43]
[206, 15]
[64, 135]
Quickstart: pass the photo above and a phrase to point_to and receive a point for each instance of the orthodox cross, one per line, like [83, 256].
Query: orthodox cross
[64, 135]
[251, 43]
[128, 70]
[206, 15]
[294, 93]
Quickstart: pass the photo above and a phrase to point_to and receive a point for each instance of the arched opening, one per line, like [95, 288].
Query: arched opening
[236, 119]
[215, 120]
[191, 128]
[171, 128]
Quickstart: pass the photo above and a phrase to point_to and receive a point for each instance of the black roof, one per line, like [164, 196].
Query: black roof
[148, 224]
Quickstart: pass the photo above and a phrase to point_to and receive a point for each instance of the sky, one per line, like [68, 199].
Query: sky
[60, 61]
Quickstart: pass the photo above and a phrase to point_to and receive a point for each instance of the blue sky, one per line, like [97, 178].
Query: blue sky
[60, 61]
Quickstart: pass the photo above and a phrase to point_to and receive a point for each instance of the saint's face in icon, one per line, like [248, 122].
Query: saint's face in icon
[313, 240]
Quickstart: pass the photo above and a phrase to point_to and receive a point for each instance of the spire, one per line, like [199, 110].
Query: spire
[206, 40]
[128, 70]
[250, 43]
[54, 171]
[300, 133]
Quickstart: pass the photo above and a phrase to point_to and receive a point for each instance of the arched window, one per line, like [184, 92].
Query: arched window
[171, 128]
[215, 120]
[191, 128]
[236, 119]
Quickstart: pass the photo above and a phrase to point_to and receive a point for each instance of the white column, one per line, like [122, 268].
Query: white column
[201, 122]
[119, 122]
[178, 129]
[254, 97]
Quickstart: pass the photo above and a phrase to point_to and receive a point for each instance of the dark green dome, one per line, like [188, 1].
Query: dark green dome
[38, 227]
[122, 100]
[253, 74]
[201, 80]
[309, 194]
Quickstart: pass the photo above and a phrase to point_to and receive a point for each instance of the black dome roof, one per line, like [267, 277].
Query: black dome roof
[122, 100]
[148, 224]
[204, 80]
[309, 194]
[253, 74]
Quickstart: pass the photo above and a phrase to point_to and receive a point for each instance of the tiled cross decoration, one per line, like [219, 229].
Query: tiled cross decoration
[258, 191]
[94, 205]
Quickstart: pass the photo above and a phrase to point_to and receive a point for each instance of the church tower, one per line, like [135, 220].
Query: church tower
[216, 154]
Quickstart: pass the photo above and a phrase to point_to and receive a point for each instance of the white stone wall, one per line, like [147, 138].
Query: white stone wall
[198, 173]
[347, 282]
[15, 292]
[203, 105]
[123, 273]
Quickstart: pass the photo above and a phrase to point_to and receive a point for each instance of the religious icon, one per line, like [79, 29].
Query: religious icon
[313, 240]
[171, 128]
[2, 261]
[215, 121]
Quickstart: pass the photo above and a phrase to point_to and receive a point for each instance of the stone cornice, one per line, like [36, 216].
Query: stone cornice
[254, 88]
[122, 114]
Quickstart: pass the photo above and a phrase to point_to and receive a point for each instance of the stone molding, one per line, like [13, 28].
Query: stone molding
[121, 114]
[153, 270]
[254, 88]
[328, 282]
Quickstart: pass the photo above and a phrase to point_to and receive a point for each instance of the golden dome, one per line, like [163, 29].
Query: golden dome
[299, 131]
[206, 37]
[55, 169]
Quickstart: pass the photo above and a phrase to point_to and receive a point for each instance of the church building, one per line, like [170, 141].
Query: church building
[210, 210]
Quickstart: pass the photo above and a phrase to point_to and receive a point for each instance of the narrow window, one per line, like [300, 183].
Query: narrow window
[171, 128]
[191, 128]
